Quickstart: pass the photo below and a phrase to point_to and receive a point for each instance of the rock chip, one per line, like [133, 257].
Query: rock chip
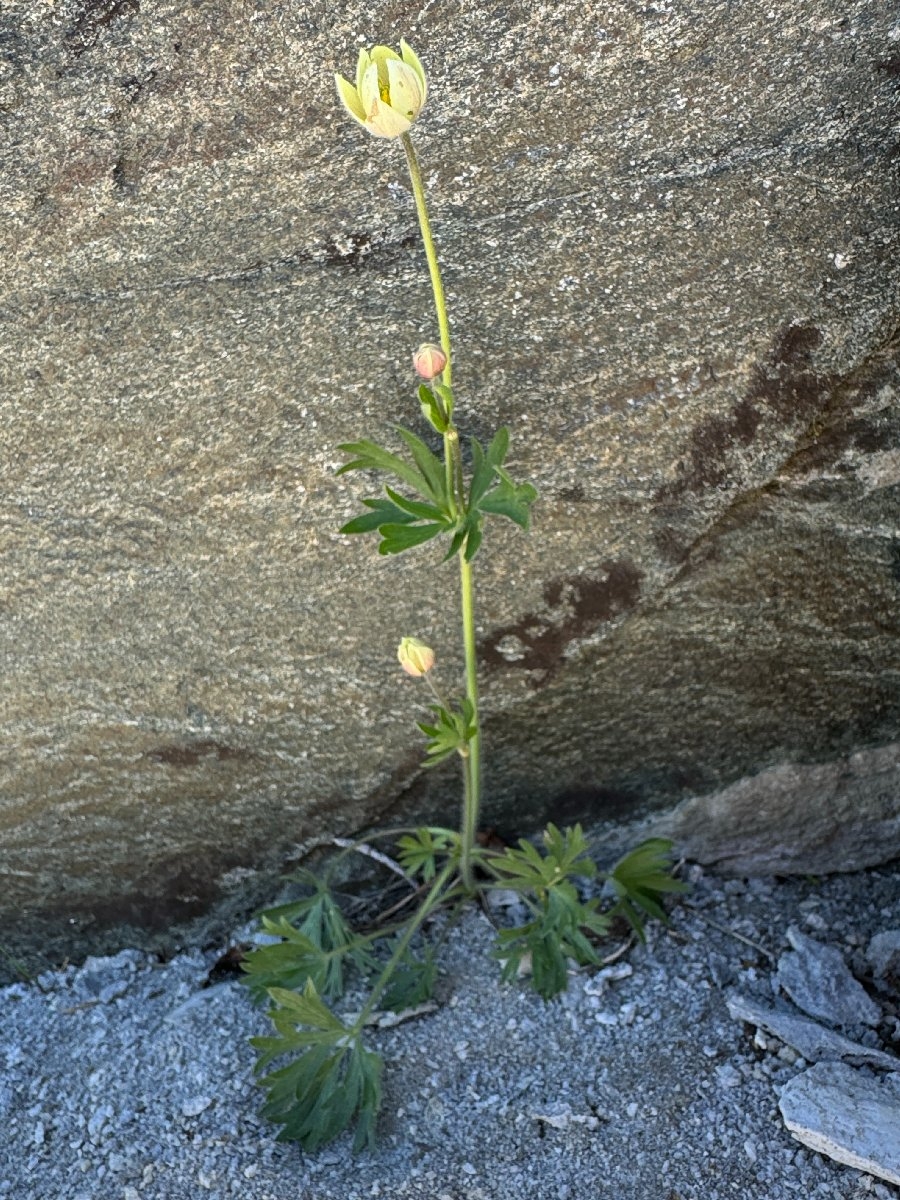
[883, 953]
[819, 982]
[813, 1041]
[846, 1115]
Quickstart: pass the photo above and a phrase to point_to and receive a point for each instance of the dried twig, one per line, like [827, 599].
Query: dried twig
[732, 933]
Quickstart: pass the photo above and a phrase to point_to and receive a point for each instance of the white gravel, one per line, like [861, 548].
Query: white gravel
[128, 1079]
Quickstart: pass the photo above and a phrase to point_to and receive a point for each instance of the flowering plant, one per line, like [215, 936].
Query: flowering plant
[331, 1079]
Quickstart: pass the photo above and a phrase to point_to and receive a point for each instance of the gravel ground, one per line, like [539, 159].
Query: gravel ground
[130, 1079]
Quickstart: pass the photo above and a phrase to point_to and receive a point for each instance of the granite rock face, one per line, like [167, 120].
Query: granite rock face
[670, 240]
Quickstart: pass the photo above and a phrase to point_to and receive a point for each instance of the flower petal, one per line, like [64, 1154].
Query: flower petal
[362, 64]
[405, 89]
[386, 122]
[370, 90]
[412, 59]
[381, 54]
[350, 98]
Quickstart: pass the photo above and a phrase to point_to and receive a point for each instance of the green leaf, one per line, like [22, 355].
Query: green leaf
[431, 409]
[640, 880]
[473, 541]
[566, 857]
[415, 508]
[306, 1008]
[412, 981]
[316, 944]
[369, 456]
[419, 851]
[562, 921]
[331, 1079]
[397, 538]
[469, 527]
[383, 512]
[431, 467]
[452, 731]
[446, 394]
[509, 499]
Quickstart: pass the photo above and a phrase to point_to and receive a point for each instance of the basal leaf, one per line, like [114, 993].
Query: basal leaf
[641, 878]
[330, 1081]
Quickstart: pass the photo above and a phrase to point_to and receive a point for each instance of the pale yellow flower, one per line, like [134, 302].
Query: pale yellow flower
[389, 93]
[415, 657]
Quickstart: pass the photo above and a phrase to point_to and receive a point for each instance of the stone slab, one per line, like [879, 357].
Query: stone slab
[819, 982]
[849, 1116]
[813, 1041]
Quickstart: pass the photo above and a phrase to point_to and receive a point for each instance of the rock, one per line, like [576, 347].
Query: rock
[846, 1115]
[727, 1076]
[814, 1042]
[560, 1115]
[819, 982]
[195, 1105]
[600, 981]
[812, 805]
[677, 286]
[883, 953]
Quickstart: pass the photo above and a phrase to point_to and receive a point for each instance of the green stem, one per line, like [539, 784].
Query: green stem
[472, 763]
[430, 902]
[440, 302]
[434, 269]
[453, 468]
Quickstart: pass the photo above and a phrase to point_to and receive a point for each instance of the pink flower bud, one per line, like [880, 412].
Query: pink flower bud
[415, 657]
[429, 360]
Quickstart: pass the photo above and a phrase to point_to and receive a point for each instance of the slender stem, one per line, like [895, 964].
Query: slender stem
[440, 303]
[472, 763]
[429, 903]
[434, 269]
[456, 496]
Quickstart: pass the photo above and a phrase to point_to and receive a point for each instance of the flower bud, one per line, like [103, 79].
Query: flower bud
[429, 360]
[389, 93]
[415, 657]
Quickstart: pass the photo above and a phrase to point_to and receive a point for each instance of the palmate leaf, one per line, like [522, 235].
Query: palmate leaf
[468, 532]
[484, 464]
[558, 933]
[509, 499]
[431, 409]
[412, 981]
[563, 923]
[429, 464]
[383, 512]
[331, 1080]
[452, 731]
[397, 538]
[416, 509]
[368, 455]
[641, 879]
[316, 944]
[419, 851]
[524, 867]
